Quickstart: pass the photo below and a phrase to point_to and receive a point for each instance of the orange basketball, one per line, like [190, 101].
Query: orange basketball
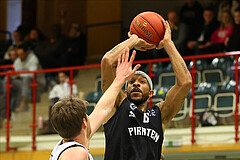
[148, 26]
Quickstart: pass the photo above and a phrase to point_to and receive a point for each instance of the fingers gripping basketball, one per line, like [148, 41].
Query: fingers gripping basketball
[148, 26]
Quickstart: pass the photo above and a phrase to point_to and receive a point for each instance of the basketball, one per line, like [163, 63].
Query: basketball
[148, 26]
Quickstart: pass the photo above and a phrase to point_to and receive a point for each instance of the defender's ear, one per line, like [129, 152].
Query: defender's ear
[84, 124]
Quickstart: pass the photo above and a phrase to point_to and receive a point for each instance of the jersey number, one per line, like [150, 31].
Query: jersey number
[145, 118]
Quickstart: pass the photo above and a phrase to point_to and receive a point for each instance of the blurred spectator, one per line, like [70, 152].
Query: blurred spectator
[59, 91]
[35, 37]
[24, 32]
[16, 42]
[50, 51]
[75, 51]
[12, 53]
[233, 41]
[227, 5]
[224, 5]
[220, 35]
[210, 25]
[14, 93]
[62, 89]
[26, 61]
[235, 5]
[179, 30]
[191, 14]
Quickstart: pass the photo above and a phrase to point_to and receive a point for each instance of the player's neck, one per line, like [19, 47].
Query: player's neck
[142, 107]
[81, 138]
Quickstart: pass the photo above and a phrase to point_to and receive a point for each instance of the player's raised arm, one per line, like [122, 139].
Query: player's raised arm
[177, 94]
[105, 106]
[109, 61]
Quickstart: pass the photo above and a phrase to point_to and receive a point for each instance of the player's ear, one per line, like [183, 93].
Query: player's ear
[151, 93]
[84, 124]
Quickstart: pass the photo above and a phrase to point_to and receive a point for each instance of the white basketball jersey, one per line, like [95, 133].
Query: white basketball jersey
[61, 147]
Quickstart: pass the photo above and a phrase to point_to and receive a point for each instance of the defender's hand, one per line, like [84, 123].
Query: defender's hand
[124, 68]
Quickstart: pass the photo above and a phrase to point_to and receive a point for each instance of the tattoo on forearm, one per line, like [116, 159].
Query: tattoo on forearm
[114, 49]
[184, 67]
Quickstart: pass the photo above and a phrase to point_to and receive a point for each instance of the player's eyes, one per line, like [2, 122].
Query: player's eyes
[142, 81]
[131, 82]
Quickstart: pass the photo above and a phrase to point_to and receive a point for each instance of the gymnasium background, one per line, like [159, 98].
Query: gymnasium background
[105, 22]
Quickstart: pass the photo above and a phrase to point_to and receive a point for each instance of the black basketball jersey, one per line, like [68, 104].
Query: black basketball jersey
[134, 135]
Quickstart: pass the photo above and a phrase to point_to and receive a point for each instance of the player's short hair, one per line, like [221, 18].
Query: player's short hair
[67, 116]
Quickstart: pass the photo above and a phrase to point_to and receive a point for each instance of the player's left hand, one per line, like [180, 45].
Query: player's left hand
[141, 45]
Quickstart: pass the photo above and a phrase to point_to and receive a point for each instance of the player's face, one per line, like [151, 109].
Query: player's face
[138, 90]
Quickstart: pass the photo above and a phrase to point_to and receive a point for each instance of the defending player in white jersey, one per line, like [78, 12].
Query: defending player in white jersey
[70, 120]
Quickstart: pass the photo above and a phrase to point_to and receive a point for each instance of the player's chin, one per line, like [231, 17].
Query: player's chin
[136, 94]
[136, 97]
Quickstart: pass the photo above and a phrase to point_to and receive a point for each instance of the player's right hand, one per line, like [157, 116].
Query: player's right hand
[141, 45]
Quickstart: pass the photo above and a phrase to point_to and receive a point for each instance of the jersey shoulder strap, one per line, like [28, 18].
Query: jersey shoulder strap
[61, 147]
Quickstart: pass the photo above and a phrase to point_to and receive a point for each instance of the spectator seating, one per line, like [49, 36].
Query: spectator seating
[202, 103]
[160, 92]
[200, 64]
[207, 88]
[222, 63]
[225, 104]
[90, 107]
[213, 76]
[167, 79]
[94, 96]
[228, 86]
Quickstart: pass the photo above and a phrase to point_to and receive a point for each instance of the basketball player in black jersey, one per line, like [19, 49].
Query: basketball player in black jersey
[132, 131]
[70, 120]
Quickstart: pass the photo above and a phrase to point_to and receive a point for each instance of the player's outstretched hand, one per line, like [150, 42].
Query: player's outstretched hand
[167, 35]
[141, 45]
[124, 70]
